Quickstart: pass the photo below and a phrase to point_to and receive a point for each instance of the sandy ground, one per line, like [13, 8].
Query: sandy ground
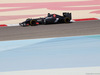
[14, 17]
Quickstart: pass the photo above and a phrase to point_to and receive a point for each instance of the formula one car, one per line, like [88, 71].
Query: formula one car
[50, 19]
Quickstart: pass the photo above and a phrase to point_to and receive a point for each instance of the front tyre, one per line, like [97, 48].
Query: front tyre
[33, 23]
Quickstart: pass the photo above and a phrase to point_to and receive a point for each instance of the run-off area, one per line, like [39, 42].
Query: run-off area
[50, 53]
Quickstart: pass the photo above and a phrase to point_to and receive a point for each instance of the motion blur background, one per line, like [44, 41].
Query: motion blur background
[15, 11]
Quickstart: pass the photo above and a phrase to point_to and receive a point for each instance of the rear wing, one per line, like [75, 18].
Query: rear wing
[67, 14]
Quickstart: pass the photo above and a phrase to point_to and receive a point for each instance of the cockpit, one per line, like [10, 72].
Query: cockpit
[51, 15]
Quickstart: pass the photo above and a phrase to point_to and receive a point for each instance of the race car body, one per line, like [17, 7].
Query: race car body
[50, 19]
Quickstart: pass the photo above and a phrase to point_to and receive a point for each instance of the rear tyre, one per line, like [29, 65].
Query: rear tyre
[67, 20]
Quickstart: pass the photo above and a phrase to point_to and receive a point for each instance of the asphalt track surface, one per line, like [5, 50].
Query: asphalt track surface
[48, 31]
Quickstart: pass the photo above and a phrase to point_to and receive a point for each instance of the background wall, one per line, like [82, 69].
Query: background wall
[15, 11]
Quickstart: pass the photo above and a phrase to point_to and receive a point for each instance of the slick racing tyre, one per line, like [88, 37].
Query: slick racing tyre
[67, 20]
[33, 23]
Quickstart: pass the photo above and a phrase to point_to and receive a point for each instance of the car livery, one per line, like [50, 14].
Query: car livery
[50, 19]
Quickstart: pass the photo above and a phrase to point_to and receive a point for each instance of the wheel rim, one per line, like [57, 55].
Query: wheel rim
[33, 22]
[67, 20]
